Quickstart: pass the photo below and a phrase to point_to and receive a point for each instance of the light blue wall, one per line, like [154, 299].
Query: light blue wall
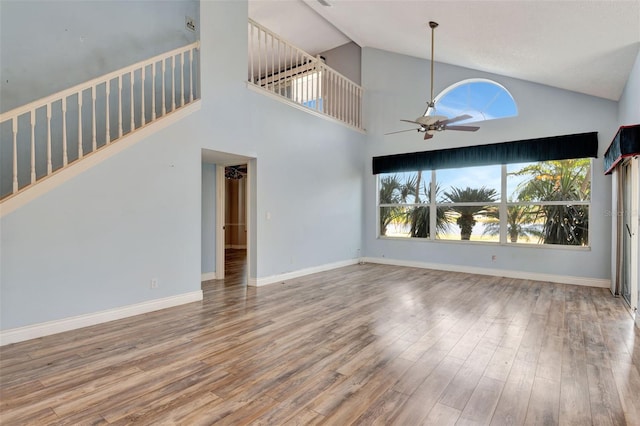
[208, 218]
[95, 242]
[51, 45]
[629, 105]
[397, 87]
[309, 170]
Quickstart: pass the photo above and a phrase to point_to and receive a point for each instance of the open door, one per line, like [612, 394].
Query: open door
[215, 227]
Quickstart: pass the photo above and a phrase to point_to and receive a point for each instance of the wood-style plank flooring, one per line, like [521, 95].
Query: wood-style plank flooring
[364, 344]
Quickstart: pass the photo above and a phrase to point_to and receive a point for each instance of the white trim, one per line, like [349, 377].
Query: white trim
[58, 178]
[207, 276]
[72, 323]
[535, 276]
[220, 219]
[257, 282]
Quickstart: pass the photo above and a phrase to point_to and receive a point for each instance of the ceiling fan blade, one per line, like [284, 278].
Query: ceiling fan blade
[401, 131]
[413, 122]
[427, 135]
[456, 119]
[463, 128]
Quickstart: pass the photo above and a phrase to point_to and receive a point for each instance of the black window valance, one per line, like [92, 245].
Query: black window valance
[564, 147]
[626, 143]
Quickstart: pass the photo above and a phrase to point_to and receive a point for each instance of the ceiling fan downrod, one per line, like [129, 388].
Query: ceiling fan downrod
[433, 25]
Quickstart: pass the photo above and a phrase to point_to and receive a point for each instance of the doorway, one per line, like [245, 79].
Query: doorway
[235, 227]
[228, 217]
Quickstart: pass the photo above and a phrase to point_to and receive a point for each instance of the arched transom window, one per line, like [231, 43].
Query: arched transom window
[482, 99]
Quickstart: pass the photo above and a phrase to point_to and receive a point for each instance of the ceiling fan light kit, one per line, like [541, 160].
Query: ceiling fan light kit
[429, 122]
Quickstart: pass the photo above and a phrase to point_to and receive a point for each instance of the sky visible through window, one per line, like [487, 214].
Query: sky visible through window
[481, 99]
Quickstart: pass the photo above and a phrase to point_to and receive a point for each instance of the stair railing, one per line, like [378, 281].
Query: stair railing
[281, 68]
[47, 135]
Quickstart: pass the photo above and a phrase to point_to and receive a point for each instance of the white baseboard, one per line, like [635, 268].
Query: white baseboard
[74, 169]
[534, 276]
[257, 282]
[58, 326]
[208, 276]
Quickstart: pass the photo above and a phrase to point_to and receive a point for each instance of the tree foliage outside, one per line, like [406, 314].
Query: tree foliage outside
[549, 205]
[416, 218]
[466, 215]
[520, 224]
[559, 181]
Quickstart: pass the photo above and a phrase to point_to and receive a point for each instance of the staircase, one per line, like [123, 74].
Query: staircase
[45, 137]
[53, 134]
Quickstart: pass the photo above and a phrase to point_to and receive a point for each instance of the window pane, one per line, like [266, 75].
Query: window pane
[559, 180]
[400, 188]
[471, 184]
[466, 223]
[558, 224]
[481, 99]
[393, 222]
[409, 221]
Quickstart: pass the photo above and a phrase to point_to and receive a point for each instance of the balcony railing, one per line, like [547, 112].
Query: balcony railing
[45, 136]
[283, 69]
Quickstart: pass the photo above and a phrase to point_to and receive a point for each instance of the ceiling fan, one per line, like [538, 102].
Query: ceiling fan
[429, 122]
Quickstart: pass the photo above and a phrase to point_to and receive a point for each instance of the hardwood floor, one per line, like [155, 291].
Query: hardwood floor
[364, 344]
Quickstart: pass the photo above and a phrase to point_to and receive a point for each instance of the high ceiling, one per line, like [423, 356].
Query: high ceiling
[583, 46]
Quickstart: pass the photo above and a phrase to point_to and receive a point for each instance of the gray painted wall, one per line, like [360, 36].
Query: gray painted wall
[346, 60]
[397, 87]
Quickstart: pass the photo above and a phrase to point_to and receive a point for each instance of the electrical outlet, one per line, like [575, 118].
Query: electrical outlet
[154, 283]
[190, 23]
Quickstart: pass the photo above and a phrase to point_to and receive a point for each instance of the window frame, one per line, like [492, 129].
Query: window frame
[503, 207]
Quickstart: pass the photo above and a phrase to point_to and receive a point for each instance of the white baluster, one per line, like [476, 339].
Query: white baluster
[107, 108]
[49, 163]
[153, 91]
[131, 108]
[272, 71]
[173, 83]
[279, 70]
[80, 153]
[182, 79]
[120, 106]
[164, 76]
[259, 53]
[143, 72]
[65, 157]
[14, 123]
[190, 75]
[94, 141]
[251, 41]
[32, 116]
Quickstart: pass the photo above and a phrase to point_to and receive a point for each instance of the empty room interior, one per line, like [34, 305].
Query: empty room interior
[284, 212]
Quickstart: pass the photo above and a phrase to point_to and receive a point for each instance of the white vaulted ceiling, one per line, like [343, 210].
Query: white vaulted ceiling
[583, 46]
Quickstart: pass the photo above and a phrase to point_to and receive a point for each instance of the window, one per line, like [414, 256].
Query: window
[480, 98]
[545, 202]
[549, 202]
